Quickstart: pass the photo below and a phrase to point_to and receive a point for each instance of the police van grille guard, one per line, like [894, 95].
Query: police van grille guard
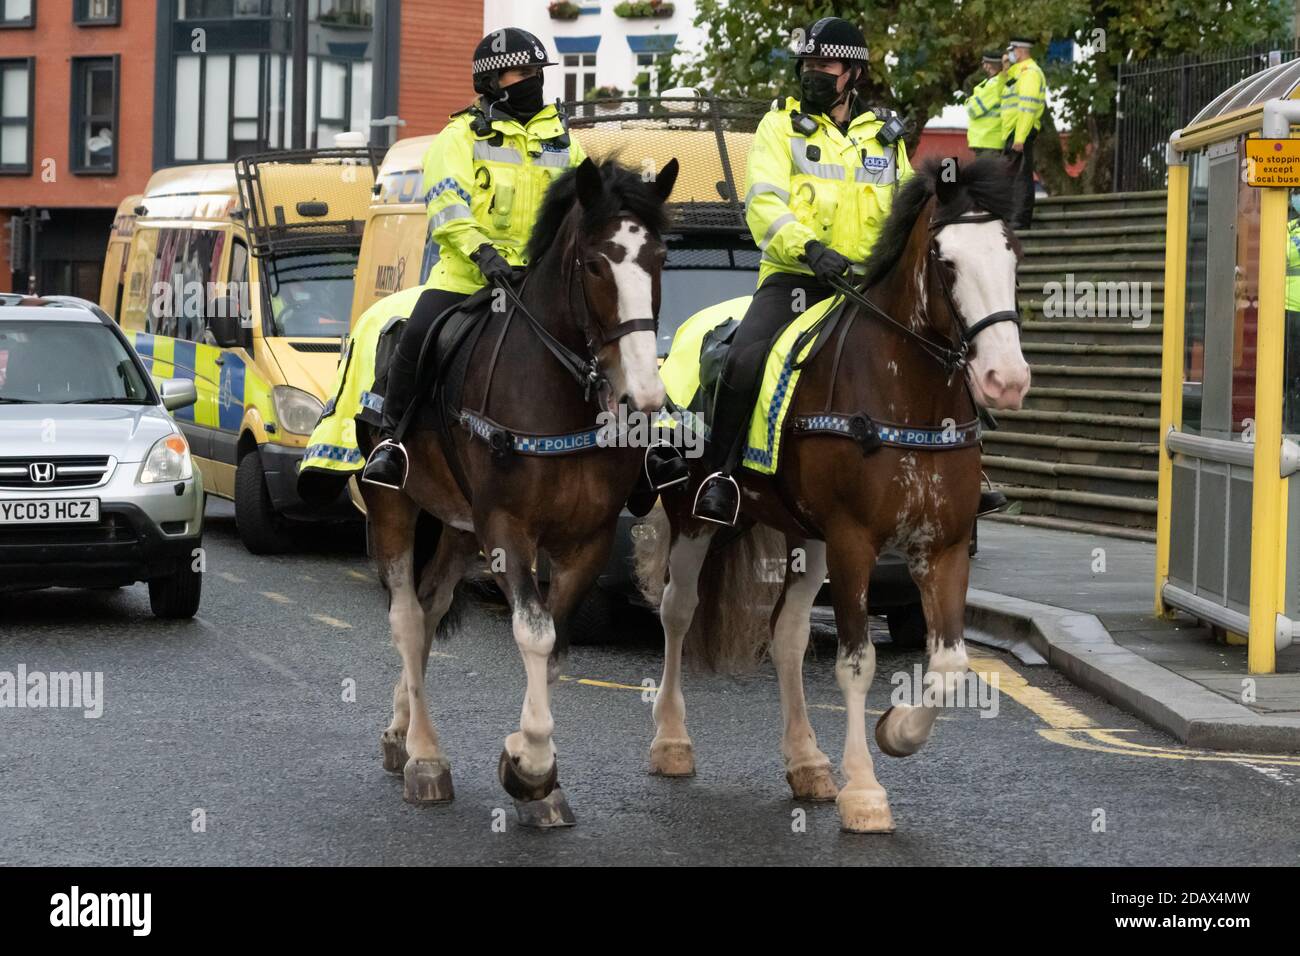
[709, 166]
[268, 232]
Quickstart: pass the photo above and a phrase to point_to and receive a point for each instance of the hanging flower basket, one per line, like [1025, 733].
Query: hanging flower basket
[564, 10]
[644, 9]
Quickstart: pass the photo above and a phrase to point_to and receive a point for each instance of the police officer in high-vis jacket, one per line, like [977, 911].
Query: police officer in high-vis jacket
[1024, 96]
[484, 179]
[821, 178]
[984, 108]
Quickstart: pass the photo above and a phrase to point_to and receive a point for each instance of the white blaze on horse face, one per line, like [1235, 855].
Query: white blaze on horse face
[985, 283]
[637, 353]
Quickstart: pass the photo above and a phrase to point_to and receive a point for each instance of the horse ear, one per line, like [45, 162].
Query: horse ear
[665, 180]
[591, 188]
[946, 185]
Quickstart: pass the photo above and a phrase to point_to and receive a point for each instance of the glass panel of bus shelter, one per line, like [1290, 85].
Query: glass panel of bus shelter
[1198, 218]
[1291, 302]
[1245, 303]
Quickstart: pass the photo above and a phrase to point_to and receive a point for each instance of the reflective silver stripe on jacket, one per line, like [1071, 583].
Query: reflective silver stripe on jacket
[457, 211]
[496, 154]
[887, 175]
[799, 152]
[773, 229]
[554, 157]
[759, 189]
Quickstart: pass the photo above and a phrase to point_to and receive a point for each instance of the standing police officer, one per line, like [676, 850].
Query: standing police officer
[984, 108]
[484, 179]
[821, 177]
[1024, 96]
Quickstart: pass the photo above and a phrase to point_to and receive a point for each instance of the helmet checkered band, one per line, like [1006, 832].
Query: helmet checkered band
[840, 51]
[505, 61]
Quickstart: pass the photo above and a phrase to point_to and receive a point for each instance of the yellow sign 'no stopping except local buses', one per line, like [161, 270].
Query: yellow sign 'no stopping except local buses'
[1273, 162]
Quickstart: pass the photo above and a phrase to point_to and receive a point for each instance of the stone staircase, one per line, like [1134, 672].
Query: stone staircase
[1082, 452]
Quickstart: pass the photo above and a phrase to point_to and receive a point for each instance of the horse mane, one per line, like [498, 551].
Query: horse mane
[625, 191]
[986, 184]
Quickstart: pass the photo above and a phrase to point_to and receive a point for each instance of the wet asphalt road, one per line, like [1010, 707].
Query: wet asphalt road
[241, 714]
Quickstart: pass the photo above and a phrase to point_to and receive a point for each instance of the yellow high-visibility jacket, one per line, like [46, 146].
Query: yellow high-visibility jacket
[488, 188]
[1024, 95]
[984, 114]
[1293, 266]
[818, 184]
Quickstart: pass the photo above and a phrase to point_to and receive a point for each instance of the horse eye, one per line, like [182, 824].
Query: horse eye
[593, 268]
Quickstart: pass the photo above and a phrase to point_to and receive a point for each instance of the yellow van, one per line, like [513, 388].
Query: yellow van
[240, 277]
[119, 244]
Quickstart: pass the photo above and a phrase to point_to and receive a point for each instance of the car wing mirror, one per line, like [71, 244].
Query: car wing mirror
[178, 393]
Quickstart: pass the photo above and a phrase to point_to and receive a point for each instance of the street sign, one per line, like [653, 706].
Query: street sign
[1273, 162]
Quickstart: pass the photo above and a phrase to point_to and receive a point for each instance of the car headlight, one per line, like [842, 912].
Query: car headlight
[295, 410]
[168, 460]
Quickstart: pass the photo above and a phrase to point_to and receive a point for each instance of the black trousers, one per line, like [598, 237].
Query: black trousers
[777, 302]
[404, 371]
[980, 151]
[1024, 180]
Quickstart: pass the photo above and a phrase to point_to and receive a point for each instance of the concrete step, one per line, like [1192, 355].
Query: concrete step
[1098, 236]
[1034, 274]
[1118, 510]
[1090, 355]
[1072, 524]
[1053, 218]
[1081, 424]
[1098, 401]
[1096, 479]
[1096, 379]
[1075, 451]
[1090, 204]
[1090, 332]
[1100, 251]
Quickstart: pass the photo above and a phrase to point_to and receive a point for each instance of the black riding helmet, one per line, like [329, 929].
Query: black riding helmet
[503, 50]
[833, 38]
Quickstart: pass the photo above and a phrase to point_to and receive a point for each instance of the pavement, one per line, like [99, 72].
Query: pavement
[250, 736]
[1084, 603]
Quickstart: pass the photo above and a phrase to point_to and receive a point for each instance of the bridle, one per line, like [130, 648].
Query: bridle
[954, 354]
[585, 370]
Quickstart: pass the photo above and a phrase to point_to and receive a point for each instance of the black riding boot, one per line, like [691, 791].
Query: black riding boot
[718, 499]
[388, 462]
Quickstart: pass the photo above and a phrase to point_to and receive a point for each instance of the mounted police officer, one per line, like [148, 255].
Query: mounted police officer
[821, 178]
[484, 179]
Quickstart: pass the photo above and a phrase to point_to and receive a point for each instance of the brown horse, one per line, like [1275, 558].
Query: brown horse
[577, 339]
[935, 329]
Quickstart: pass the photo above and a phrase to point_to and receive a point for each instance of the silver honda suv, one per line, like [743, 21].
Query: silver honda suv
[97, 488]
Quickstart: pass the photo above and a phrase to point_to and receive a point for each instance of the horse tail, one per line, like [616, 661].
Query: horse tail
[739, 584]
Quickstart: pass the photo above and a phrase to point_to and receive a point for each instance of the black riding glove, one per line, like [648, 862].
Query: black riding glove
[824, 261]
[492, 264]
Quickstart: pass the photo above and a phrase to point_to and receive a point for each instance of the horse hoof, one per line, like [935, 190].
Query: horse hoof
[522, 786]
[882, 741]
[813, 782]
[672, 758]
[545, 814]
[394, 747]
[864, 811]
[427, 781]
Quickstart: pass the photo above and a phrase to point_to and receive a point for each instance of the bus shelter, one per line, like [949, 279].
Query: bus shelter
[1228, 524]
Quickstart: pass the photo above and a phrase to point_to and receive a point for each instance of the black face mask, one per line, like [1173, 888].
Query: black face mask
[817, 91]
[522, 100]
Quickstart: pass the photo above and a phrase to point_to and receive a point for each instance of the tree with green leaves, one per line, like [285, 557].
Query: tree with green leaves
[924, 53]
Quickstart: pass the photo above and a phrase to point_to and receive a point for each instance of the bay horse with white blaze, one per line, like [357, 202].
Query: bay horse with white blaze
[881, 452]
[577, 338]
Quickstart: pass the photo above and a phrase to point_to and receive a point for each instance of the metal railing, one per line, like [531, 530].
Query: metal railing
[1156, 97]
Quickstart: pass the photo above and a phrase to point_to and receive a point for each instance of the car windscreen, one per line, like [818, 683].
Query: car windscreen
[60, 362]
[311, 294]
[697, 276]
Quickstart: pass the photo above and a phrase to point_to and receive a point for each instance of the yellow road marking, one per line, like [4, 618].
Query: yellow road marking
[604, 683]
[331, 621]
[232, 578]
[274, 596]
[1051, 710]
[360, 575]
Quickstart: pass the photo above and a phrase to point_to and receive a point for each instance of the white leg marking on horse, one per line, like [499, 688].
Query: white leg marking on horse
[789, 644]
[854, 673]
[638, 355]
[676, 609]
[909, 727]
[535, 635]
[406, 618]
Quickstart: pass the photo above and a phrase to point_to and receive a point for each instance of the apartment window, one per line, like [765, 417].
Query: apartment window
[94, 115]
[651, 68]
[231, 9]
[97, 12]
[347, 13]
[17, 13]
[579, 75]
[16, 116]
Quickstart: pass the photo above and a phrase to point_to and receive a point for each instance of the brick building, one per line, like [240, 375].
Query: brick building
[97, 94]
